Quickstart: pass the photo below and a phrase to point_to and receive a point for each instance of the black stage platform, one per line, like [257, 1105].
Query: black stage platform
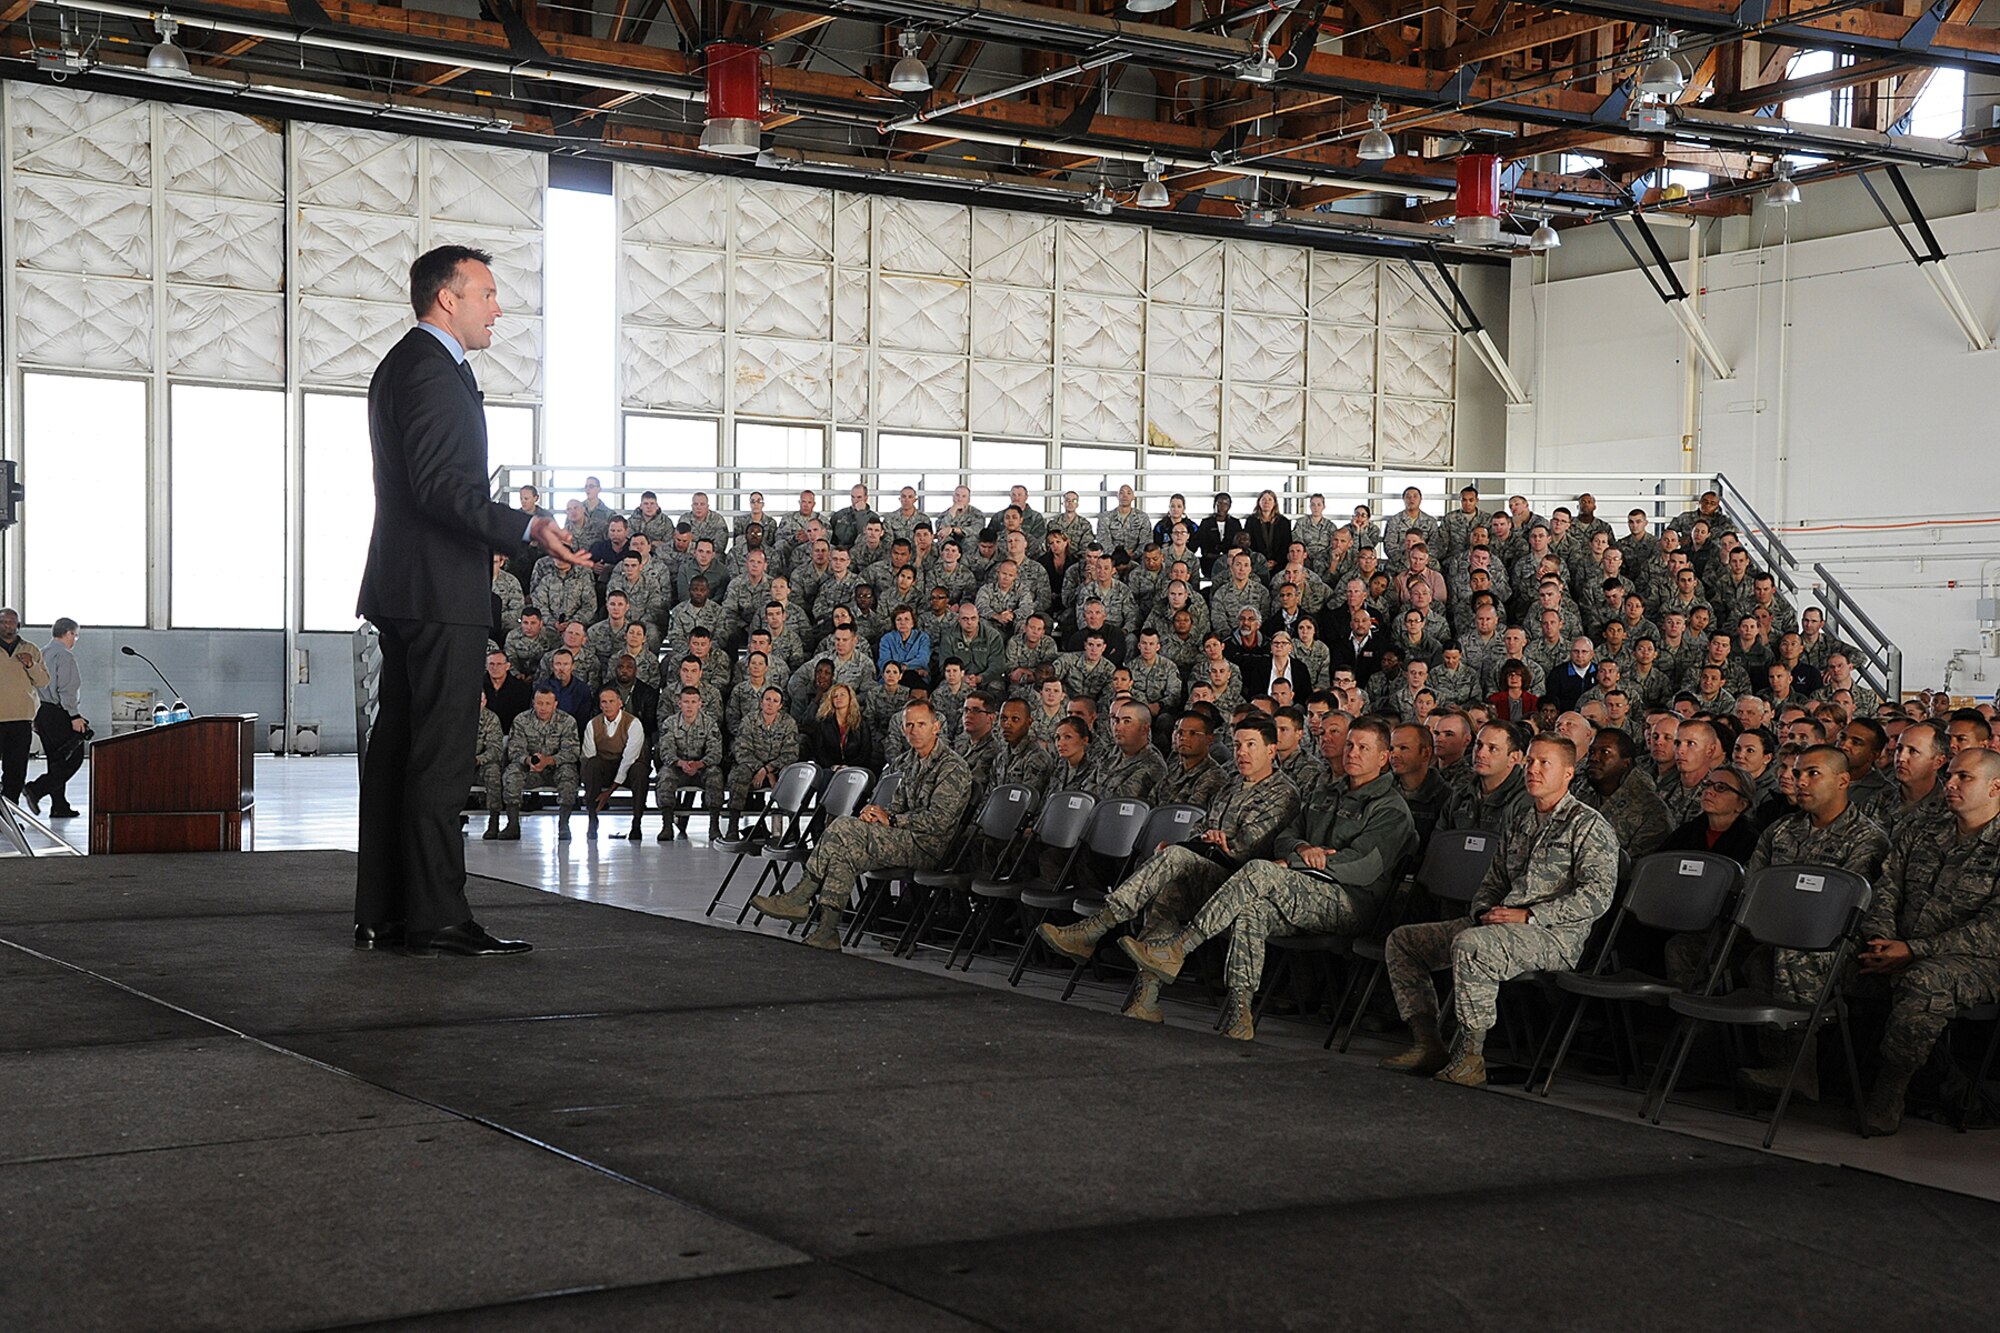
[215, 1114]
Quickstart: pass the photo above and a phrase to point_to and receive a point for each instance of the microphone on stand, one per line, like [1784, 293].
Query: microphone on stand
[129, 651]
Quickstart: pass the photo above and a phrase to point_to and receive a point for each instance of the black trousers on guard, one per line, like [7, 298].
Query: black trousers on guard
[16, 740]
[417, 775]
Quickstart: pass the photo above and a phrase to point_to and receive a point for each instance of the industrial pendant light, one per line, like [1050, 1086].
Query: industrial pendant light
[1784, 191]
[1147, 6]
[1662, 75]
[1545, 237]
[1376, 145]
[1152, 194]
[1098, 202]
[166, 59]
[910, 75]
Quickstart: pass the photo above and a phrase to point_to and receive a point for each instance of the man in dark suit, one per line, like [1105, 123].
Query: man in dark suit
[1359, 649]
[427, 589]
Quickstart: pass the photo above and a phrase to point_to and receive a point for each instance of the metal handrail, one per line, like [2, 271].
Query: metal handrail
[1882, 664]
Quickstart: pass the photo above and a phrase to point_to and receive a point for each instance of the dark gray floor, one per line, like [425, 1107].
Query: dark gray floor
[218, 1115]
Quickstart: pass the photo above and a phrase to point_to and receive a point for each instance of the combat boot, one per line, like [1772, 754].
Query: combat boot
[638, 818]
[1769, 1083]
[1237, 1022]
[492, 827]
[666, 833]
[1144, 1001]
[794, 904]
[1884, 1115]
[562, 826]
[1079, 939]
[714, 826]
[590, 828]
[1468, 1061]
[825, 932]
[1426, 1054]
[1162, 957]
[512, 833]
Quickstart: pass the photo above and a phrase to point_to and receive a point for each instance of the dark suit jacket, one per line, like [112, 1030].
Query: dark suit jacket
[436, 525]
[1365, 661]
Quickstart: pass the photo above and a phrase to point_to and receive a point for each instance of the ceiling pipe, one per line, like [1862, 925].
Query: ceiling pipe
[929, 114]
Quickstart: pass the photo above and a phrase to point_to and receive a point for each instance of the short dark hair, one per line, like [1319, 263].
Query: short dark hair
[436, 269]
[1260, 723]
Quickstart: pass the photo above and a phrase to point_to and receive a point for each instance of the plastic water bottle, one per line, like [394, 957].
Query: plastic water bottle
[179, 712]
[162, 715]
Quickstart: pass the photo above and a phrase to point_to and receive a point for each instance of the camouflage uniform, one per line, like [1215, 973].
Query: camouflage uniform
[1851, 842]
[984, 655]
[994, 601]
[1473, 807]
[1196, 786]
[605, 642]
[1021, 654]
[1451, 686]
[646, 597]
[1939, 893]
[596, 525]
[1682, 801]
[1929, 811]
[927, 809]
[1168, 887]
[980, 757]
[1484, 658]
[968, 522]
[744, 606]
[714, 527]
[1562, 866]
[584, 660]
[1316, 535]
[687, 617]
[1637, 814]
[1159, 683]
[659, 529]
[1226, 599]
[524, 655]
[756, 746]
[1128, 777]
[508, 589]
[564, 593]
[491, 758]
[1127, 531]
[531, 736]
[1042, 726]
[1369, 830]
[1075, 527]
[1307, 771]
[1120, 609]
[745, 698]
[1027, 764]
[1875, 796]
[1081, 679]
[697, 740]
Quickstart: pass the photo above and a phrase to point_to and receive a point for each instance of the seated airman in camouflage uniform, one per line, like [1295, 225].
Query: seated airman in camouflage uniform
[492, 764]
[914, 829]
[1193, 778]
[690, 755]
[765, 742]
[1827, 830]
[1933, 930]
[543, 748]
[527, 645]
[1169, 886]
[1329, 870]
[1555, 874]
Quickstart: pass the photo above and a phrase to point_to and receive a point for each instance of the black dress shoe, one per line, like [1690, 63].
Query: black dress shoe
[64, 812]
[387, 935]
[467, 941]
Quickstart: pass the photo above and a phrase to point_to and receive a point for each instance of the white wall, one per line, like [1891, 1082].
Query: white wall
[1855, 400]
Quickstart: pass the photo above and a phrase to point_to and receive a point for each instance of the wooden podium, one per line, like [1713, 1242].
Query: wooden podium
[186, 787]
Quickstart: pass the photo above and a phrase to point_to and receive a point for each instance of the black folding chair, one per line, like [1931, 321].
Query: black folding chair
[1061, 825]
[1454, 865]
[789, 796]
[1000, 817]
[1978, 1013]
[1114, 834]
[1814, 909]
[1168, 826]
[842, 797]
[1682, 892]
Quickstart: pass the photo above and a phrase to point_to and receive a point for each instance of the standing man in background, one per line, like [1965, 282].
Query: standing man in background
[62, 728]
[22, 676]
[426, 588]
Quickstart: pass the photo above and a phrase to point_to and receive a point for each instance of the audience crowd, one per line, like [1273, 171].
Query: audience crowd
[1331, 691]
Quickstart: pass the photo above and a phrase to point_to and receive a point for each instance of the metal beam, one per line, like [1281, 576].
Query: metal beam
[1922, 40]
[1667, 284]
[1931, 260]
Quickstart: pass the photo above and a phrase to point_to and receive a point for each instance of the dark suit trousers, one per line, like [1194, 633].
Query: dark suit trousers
[63, 746]
[417, 775]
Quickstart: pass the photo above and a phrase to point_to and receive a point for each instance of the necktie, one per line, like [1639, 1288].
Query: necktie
[465, 373]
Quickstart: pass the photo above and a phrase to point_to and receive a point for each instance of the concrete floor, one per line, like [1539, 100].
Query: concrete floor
[310, 803]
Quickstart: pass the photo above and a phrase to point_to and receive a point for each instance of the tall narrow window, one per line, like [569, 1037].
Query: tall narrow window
[83, 467]
[676, 443]
[339, 508]
[227, 443]
[580, 342]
